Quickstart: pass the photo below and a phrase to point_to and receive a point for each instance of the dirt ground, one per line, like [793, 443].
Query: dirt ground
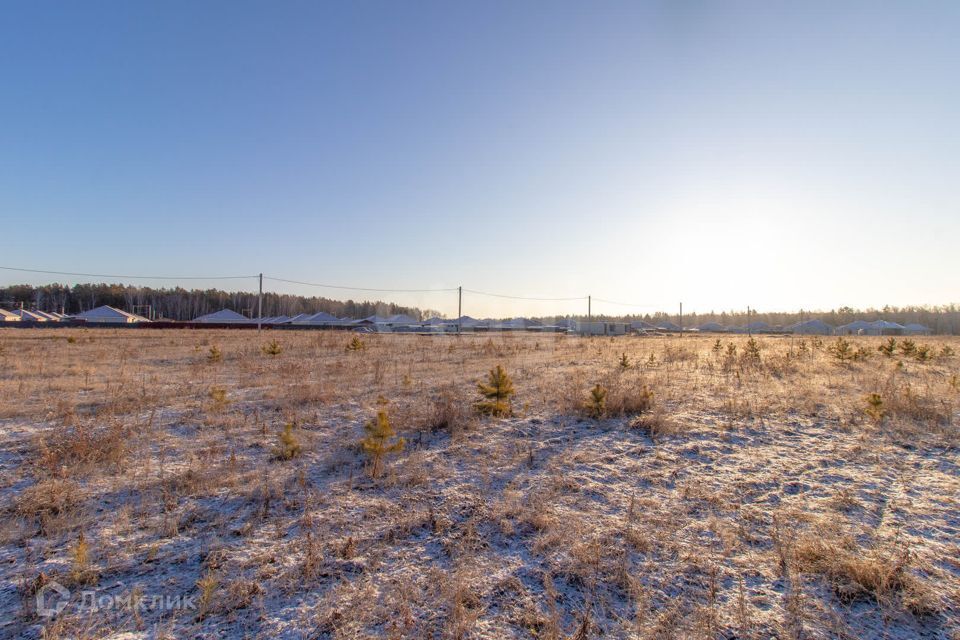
[212, 484]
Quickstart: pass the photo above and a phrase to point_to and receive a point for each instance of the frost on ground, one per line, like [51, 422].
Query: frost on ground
[752, 491]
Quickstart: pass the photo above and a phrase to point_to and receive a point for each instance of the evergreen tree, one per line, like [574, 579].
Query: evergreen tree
[288, 446]
[597, 404]
[380, 441]
[497, 391]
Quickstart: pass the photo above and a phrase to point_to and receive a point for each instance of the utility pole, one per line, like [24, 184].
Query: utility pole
[589, 315]
[459, 307]
[681, 319]
[749, 330]
[260, 305]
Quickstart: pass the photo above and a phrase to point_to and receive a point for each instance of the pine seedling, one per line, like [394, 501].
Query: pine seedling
[624, 362]
[207, 585]
[875, 407]
[356, 344]
[597, 402]
[288, 447]
[888, 348]
[717, 346]
[219, 397]
[80, 571]
[946, 351]
[381, 441]
[215, 354]
[272, 348]
[644, 400]
[752, 351]
[908, 347]
[923, 353]
[497, 391]
[842, 350]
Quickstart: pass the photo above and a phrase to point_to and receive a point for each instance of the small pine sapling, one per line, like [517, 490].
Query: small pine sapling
[645, 402]
[888, 348]
[908, 347]
[356, 344]
[381, 441]
[80, 569]
[752, 351]
[272, 348]
[597, 402]
[625, 362]
[215, 354]
[842, 350]
[497, 392]
[288, 447]
[219, 397]
[207, 585]
[875, 408]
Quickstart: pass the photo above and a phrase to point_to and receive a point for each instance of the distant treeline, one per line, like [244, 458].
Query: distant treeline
[183, 304]
[943, 319]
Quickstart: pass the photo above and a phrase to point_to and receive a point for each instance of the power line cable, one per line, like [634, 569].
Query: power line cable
[104, 275]
[335, 286]
[626, 304]
[501, 295]
[325, 286]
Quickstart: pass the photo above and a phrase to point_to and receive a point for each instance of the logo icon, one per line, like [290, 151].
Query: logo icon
[52, 598]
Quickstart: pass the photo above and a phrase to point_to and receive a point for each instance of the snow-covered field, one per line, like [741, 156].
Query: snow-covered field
[759, 494]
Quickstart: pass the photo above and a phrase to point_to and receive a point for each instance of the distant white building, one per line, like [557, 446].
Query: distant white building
[30, 316]
[319, 319]
[916, 329]
[8, 316]
[49, 317]
[110, 315]
[666, 325]
[713, 327]
[602, 328]
[857, 327]
[811, 328]
[514, 324]
[875, 328]
[224, 316]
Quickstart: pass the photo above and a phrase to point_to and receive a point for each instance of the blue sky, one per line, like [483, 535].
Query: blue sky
[778, 155]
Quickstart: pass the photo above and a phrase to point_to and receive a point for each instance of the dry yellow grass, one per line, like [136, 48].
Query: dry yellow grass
[728, 492]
